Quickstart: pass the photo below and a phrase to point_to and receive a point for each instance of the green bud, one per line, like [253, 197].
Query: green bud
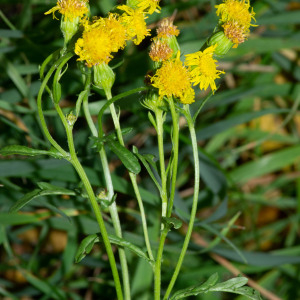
[104, 77]
[153, 102]
[173, 44]
[69, 28]
[223, 43]
[102, 195]
[71, 119]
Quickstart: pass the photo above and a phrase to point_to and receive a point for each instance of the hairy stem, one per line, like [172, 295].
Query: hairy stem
[175, 141]
[110, 189]
[160, 140]
[132, 178]
[195, 201]
[75, 162]
[157, 270]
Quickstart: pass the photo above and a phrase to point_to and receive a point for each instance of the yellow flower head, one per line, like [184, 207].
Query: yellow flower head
[134, 22]
[167, 29]
[160, 50]
[99, 39]
[117, 31]
[173, 79]
[235, 33]
[203, 68]
[70, 9]
[236, 11]
[149, 6]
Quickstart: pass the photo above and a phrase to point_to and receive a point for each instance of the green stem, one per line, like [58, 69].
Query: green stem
[195, 200]
[157, 270]
[175, 141]
[75, 162]
[60, 61]
[132, 178]
[160, 140]
[109, 185]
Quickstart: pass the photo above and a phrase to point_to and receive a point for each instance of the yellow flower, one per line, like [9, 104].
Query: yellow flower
[134, 22]
[99, 39]
[117, 31]
[173, 79]
[203, 68]
[160, 50]
[70, 9]
[236, 11]
[149, 6]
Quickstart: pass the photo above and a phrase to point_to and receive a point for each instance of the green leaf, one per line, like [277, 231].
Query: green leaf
[15, 76]
[87, 244]
[79, 101]
[126, 244]
[128, 158]
[44, 190]
[56, 92]
[106, 203]
[152, 120]
[44, 286]
[267, 164]
[86, 247]
[8, 33]
[195, 290]
[17, 219]
[23, 150]
[145, 158]
[234, 285]
[172, 222]
[215, 128]
[3, 292]
[222, 235]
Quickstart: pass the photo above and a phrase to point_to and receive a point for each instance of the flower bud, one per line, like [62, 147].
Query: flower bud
[152, 102]
[71, 119]
[69, 28]
[223, 43]
[104, 77]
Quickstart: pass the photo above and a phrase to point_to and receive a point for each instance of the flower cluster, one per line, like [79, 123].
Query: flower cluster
[174, 79]
[103, 36]
[235, 18]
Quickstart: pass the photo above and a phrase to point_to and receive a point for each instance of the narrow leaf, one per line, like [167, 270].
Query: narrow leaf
[87, 244]
[79, 101]
[23, 150]
[144, 161]
[56, 92]
[128, 158]
[16, 219]
[45, 190]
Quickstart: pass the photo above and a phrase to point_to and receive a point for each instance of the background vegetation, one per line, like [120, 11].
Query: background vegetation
[248, 133]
